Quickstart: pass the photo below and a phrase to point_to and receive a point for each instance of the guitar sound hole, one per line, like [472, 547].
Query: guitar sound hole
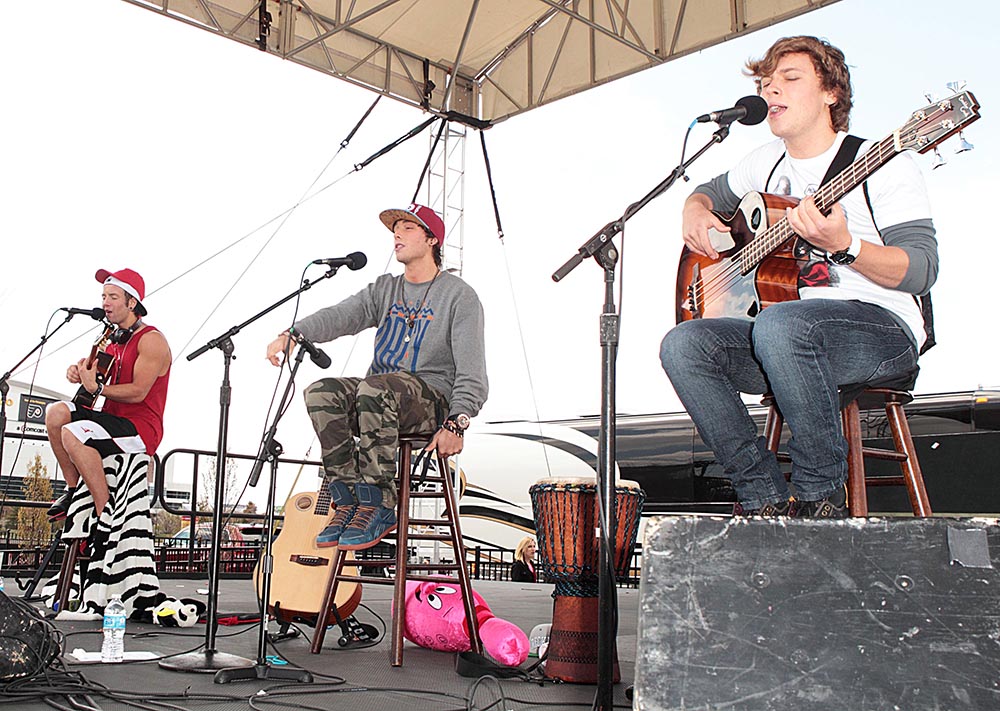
[755, 219]
[303, 503]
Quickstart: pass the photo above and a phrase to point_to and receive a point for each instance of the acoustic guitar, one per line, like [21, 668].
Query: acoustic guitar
[756, 266]
[302, 569]
[84, 398]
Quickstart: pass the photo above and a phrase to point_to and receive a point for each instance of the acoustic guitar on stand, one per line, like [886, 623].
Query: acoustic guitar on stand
[84, 398]
[302, 569]
[756, 266]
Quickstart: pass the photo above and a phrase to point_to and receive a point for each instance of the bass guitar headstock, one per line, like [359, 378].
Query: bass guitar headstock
[936, 122]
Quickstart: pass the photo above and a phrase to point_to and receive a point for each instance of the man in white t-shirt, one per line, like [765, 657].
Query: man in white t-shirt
[857, 319]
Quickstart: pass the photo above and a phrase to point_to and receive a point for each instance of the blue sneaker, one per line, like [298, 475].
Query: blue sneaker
[343, 499]
[372, 521]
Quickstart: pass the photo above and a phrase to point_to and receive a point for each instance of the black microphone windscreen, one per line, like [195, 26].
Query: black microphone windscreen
[756, 110]
[358, 260]
[321, 359]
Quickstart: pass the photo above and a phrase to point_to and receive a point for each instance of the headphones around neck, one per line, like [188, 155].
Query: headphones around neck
[121, 336]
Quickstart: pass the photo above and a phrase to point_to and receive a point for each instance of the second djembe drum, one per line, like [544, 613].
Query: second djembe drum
[566, 523]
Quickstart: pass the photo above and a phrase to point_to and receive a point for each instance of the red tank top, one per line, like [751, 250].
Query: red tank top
[147, 416]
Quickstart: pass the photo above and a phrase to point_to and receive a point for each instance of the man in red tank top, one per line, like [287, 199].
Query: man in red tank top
[135, 393]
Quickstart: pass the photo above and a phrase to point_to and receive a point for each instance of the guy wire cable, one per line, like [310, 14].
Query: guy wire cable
[513, 299]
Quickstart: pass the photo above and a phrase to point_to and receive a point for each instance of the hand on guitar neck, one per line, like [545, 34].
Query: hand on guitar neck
[91, 372]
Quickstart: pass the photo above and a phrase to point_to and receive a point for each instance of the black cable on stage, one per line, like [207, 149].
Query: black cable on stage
[430, 154]
[489, 178]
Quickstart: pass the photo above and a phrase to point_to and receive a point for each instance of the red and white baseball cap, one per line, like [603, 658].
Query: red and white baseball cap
[421, 214]
[129, 281]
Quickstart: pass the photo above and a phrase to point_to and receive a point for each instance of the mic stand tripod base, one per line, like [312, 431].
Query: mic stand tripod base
[204, 662]
[262, 671]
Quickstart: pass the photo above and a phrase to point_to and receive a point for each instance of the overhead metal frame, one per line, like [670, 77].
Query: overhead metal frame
[483, 59]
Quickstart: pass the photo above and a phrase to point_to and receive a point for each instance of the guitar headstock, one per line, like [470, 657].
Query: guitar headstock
[105, 336]
[936, 122]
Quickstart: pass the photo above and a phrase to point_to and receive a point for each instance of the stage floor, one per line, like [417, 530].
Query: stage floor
[345, 678]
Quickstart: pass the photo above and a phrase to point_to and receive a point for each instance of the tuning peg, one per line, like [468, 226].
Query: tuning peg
[955, 86]
[938, 160]
[963, 145]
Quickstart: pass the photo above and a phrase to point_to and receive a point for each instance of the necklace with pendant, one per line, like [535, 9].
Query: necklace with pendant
[411, 317]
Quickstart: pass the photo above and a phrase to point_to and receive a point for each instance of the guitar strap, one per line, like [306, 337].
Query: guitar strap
[845, 156]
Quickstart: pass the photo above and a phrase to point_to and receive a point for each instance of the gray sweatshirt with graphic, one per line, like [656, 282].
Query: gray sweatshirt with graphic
[434, 330]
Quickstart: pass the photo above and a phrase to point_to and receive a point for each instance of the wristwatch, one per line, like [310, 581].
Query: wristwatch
[461, 420]
[848, 255]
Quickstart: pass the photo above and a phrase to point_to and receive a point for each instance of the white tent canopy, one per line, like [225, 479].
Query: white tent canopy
[484, 59]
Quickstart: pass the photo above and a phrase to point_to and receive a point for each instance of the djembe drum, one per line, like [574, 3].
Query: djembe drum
[566, 522]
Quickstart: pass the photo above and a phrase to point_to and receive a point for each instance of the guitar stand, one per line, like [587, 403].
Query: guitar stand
[285, 632]
[356, 634]
[285, 629]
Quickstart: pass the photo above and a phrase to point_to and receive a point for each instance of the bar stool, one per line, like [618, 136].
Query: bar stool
[857, 482]
[428, 530]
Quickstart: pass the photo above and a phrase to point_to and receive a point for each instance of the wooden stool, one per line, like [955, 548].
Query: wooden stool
[857, 482]
[404, 569]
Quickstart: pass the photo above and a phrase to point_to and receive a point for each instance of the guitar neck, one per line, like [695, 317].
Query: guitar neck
[851, 177]
[322, 507]
[856, 173]
[93, 355]
[925, 128]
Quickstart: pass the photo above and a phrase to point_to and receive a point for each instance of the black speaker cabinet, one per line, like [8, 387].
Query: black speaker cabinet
[855, 615]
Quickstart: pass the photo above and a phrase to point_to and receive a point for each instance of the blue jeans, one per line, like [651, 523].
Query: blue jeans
[801, 351]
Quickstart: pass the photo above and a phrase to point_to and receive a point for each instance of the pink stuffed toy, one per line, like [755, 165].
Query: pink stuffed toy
[435, 619]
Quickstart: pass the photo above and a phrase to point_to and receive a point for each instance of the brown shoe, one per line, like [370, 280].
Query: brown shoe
[783, 508]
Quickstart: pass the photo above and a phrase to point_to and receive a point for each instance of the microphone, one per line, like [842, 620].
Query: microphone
[95, 313]
[749, 111]
[353, 261]
[316, 354]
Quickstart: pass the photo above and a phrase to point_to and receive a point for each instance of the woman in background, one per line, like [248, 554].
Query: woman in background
[523, 569]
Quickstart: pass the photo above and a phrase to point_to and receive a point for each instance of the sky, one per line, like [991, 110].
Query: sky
[133, 140]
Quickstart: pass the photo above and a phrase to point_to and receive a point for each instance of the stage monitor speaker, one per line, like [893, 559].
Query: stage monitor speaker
[28, 643]
[860, 614]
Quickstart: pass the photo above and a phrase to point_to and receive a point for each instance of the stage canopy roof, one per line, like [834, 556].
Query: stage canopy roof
[486, 60]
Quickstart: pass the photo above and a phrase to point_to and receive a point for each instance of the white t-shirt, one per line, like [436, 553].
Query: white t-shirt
[898, 194]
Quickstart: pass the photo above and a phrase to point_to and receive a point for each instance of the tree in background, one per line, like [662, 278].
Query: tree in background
[33, 527]
[207, 477]
[166, 524]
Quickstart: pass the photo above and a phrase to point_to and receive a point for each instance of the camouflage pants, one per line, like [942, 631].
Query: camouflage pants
[374, 410]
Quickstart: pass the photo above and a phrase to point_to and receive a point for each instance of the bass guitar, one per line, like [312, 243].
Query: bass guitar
[302, 569]
[756, 266]
[84, 398]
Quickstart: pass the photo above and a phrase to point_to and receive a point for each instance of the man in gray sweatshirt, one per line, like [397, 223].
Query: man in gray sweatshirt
[428, 374]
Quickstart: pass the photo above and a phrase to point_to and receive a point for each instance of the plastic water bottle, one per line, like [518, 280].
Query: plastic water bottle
[113, 647]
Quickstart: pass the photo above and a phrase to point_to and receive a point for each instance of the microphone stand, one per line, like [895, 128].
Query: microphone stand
[209, 659]
[5, 386]
[601, 247]
[270, 450]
